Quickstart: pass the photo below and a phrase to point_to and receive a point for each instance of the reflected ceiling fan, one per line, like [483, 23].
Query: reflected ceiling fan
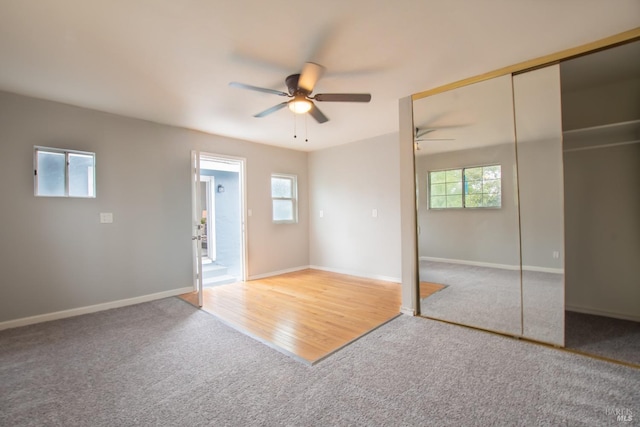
[420, 134]
[300, 87]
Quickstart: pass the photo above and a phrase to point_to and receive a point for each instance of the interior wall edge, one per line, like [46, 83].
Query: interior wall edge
[408, 208]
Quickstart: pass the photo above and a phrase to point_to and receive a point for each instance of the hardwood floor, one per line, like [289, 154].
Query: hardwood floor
[427, 288]
[308, 314]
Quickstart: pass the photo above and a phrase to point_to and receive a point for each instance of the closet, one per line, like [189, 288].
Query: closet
[601, 124]
[528, 200]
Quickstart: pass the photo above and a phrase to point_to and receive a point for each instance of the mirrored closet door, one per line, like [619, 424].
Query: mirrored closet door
[538, 121]
[468, 228]
[489, 175]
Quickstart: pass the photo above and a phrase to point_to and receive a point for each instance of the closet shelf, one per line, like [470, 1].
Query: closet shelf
[614, 133]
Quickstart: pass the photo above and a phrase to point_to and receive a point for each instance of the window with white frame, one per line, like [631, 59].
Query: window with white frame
[284, 196]
[64, 173]
[475, 187]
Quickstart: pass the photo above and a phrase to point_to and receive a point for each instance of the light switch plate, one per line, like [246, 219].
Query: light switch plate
[106, 217]
[374, 213]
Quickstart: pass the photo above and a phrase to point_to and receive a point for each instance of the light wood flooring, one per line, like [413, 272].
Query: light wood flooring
[427, 289]
[308, 314]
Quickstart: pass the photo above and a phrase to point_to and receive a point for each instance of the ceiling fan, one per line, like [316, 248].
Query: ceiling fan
[421, 133]
[419, 136]
[300, 87]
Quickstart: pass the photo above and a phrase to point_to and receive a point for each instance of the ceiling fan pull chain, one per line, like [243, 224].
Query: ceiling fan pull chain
[306, 133]
[295, 129]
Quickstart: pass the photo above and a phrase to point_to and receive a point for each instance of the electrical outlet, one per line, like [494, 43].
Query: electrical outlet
[321, 214]
[374, 213]
[556, 254]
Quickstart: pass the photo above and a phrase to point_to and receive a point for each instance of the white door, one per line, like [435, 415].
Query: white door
[196, 225]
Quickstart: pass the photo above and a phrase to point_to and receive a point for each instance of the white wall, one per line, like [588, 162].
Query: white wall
[346, 183]
[55, 255]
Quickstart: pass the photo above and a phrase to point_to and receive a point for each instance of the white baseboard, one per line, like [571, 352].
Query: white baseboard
[474, 263]
[277, 273]
[543, 269]
[596, 312]
[494, 265]
[332, 270]
[407, 311]
[357, 274]
[91, 308]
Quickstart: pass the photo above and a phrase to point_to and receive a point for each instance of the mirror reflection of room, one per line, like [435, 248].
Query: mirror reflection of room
[469, 247]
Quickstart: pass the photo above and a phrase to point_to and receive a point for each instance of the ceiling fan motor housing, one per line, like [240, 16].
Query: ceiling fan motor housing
[292, 85]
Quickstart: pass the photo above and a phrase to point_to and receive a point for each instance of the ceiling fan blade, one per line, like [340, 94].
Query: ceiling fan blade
[272, 109]
[311, 73]
[317, 114]
[422, 132]
[258, 89]
[343, 97]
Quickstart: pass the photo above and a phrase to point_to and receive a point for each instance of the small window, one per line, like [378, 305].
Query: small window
[284, 194]
[476, 187]
[64, 173]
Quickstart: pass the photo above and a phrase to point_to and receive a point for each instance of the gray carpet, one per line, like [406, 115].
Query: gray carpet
[604, 336]
[489, 298]
[164, 363]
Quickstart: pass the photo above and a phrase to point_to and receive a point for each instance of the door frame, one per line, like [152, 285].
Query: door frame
[196, 227]
[241, 162]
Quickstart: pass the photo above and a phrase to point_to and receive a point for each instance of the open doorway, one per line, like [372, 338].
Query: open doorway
[222, 205]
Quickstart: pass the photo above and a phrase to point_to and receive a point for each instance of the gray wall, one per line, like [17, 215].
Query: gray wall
[541, 204]
[55, 253]
[602, 210]
[602, 201]
[475, 235]
[348, 182]
[608, 103]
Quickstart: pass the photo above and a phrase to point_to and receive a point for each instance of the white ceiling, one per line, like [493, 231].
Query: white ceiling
[170, 61]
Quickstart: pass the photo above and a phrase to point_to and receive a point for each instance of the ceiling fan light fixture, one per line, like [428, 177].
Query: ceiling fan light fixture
[300, 105]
